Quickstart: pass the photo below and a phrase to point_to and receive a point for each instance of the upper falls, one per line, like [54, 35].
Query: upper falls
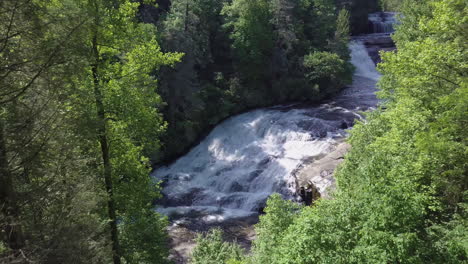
[382, 22]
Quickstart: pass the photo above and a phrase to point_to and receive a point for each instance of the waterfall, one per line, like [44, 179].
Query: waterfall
[382, 22]
[364, 66]
[250, 156]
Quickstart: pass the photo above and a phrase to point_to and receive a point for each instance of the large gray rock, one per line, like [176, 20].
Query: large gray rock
[381, 40]
[317, 175]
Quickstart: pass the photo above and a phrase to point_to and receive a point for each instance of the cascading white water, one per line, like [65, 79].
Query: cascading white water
[250, 156]
[382, 22]
[364, 66]
[247, 158]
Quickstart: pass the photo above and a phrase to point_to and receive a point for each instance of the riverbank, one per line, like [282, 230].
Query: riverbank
[292, 150]
[224, 181]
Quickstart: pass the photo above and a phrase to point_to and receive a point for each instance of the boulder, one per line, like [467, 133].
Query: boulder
[315, 179]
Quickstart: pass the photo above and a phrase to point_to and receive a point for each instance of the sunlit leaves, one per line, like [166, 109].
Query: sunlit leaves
[211, 249]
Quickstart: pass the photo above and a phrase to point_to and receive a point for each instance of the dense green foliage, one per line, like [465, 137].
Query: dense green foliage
[402, 190]
[81, 115]
[211, 249]
[89, 94]
[121, 91]
[390, 5]
[38, 149]
[246, 54]
[324, 70]
[272, 227]
[78, 116]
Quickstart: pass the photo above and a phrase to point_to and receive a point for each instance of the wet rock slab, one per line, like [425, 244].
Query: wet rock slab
[319, 173]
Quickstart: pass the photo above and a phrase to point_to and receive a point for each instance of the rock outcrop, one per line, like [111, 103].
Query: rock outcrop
[315, 179]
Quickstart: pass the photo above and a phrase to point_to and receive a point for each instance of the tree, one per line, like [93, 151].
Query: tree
[390, 5]
[47, 191]
[211, 249]
[117, 84]
[326, 71]
[319, 23]
[252, 36]
[280, 214]
[78, 100]
[194, 28]
[339, 45]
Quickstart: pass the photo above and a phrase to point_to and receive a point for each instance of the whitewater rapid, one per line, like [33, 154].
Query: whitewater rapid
[248, 157]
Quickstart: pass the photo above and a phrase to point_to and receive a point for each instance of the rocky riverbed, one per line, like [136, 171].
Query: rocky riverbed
[292, 150]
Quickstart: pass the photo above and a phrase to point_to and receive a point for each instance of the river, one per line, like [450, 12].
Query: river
[246, 158]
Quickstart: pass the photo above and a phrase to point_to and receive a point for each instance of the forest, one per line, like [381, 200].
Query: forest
[95, 94]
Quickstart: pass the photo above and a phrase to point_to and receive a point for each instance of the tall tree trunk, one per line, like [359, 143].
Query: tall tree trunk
[8, 204]
[102, 135]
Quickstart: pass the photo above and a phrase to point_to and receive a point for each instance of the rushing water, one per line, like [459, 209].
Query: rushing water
[250, 156]
[382, 22]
